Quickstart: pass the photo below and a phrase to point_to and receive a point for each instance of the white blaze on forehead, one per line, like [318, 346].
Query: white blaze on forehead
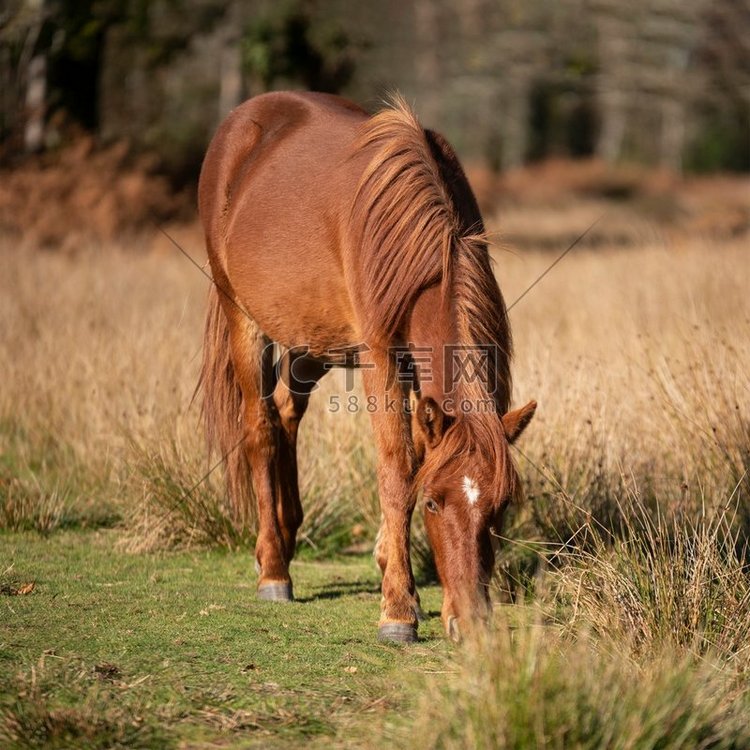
[471, 490]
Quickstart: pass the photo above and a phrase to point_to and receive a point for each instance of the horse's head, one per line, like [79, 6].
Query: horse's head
[465, 493]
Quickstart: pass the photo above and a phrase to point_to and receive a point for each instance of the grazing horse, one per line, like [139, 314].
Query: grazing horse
[355, 240]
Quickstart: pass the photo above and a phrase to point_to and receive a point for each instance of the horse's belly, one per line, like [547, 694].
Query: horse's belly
[292, 301]
[319, 326]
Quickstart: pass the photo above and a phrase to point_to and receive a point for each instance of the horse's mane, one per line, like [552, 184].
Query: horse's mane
[419, 225]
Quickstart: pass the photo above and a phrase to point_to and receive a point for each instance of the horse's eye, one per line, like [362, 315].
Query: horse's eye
[431, 505]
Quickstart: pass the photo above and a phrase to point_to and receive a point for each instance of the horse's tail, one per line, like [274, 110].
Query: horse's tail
[222, 409]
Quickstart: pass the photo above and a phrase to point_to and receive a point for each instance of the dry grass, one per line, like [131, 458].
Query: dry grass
[96, 719]
[640, 643]
[529, 687]
[665, 585]
[95, 348]
[636, 358]
[641, 371]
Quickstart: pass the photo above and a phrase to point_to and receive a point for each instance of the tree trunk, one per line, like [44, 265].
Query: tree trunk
[672, 134]
[612, 131]
[516, 125]
[230, 64]
[428, 61]
[36, 95]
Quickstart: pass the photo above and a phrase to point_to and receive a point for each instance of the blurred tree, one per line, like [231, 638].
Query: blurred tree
[662, 81]
[23, 73]
[721, 138]
[614, 36]
[160, 79]
[291, 45]
[428, 47]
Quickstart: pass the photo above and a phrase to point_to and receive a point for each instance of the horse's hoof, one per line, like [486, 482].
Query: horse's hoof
[276, 592]
[397, 632]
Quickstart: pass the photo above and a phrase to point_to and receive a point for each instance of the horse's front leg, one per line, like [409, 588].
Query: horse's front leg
[398, 616]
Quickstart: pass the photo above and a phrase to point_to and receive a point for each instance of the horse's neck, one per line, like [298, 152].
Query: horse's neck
[432, 333]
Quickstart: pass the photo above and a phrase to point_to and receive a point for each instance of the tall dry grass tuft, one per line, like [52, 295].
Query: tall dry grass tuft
[182, 505]
[527, 686]
[38, 483]
[664, 584]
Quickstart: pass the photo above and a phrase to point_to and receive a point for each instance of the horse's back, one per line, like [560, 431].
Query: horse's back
[285, 142]
[274, 197]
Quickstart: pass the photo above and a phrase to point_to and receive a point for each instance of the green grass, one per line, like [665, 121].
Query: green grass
[116, 650]
[113, 649]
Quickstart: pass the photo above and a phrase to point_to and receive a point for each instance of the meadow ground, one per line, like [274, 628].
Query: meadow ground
[626, 565]
[113, 649]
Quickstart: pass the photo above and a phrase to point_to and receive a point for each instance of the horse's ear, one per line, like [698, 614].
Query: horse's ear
[515, 422]
[431, 421]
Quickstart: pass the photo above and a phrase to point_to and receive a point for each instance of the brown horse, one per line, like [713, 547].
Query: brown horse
[355, 240]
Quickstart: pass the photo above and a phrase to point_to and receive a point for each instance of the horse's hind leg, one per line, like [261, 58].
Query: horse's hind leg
[297, 376]
[252, 357]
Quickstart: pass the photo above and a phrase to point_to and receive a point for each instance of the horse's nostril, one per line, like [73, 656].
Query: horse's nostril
[454, 633]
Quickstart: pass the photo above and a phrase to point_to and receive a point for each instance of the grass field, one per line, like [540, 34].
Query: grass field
[115, 649]
[626, 565]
